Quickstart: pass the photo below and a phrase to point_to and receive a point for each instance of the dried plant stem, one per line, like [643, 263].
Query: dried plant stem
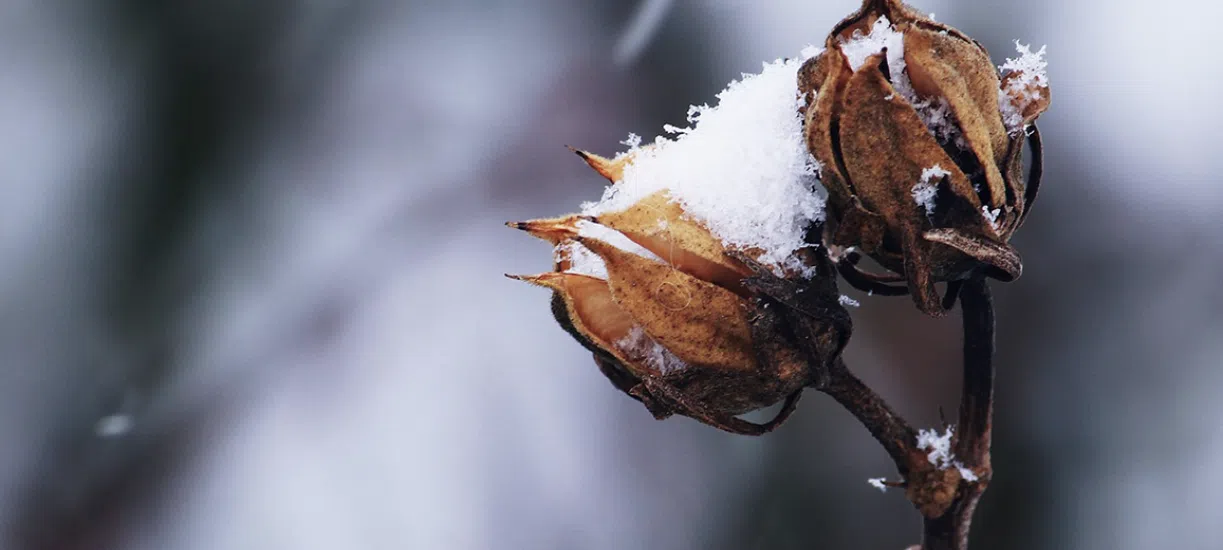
[974, 433]
[893, 432]
[945, 499]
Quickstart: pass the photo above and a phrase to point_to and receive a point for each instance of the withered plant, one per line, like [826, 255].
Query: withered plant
[707, 290]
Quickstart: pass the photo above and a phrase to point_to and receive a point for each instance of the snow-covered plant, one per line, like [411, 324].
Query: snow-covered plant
[704, 281]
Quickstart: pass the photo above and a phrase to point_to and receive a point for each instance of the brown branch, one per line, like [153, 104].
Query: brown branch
[949, 531]
[946, 493]
[871, 283]
[893, 432]
[977, 399]
[946, 500]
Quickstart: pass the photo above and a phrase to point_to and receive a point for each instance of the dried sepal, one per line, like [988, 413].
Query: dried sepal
[553, 230]
[1001, 258]
[613, 168]
[1036, 171]
[700, 322]
[590, 311]
[876, 119]
[1030, 101]
[811, 314]
[960, 73]
[826, 81]
[659, 225]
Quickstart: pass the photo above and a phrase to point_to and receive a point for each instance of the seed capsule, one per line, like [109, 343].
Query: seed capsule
[921, 146]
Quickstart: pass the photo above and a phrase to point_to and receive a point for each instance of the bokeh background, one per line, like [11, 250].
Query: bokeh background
[251, 292]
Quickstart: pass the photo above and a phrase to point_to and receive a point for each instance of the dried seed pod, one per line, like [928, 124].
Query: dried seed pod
[921, 146]
[674, 324]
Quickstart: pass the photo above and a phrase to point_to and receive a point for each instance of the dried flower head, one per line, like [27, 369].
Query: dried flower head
[921, 145]
[693, 280]
[674, 317]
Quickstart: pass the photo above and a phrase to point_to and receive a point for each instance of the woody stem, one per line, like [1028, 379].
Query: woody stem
[974, 433]
[893, 432]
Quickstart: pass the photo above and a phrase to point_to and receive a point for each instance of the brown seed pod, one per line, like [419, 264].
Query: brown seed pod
[683, 325]
[921, 147]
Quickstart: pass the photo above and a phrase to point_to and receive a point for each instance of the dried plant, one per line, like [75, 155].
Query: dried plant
[696, 305]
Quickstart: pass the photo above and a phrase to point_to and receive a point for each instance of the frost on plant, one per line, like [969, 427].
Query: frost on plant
[638, 344]
[926, 189]
[705, 280]
[940, 455]
[584, 262]
[656, 276]
[991, 215]
[1025, 82]
[633, 141]
[581, 260]
[934, 111]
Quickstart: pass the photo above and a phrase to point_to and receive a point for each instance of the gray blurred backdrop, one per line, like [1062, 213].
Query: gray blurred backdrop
[251, 292]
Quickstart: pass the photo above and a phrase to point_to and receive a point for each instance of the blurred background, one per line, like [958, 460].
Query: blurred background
[251, 291]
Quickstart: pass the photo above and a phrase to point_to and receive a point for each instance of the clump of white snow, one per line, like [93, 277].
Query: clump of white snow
[638, 344]
[926, 189]
[877, 482]
[849, 302]
[582, 260]
[1030, 72]
[935, 112]
[882, 35]
[991, 215]
[741, 169]
[632, 142]
[940, 455]
[938, 445]
[810, 51]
